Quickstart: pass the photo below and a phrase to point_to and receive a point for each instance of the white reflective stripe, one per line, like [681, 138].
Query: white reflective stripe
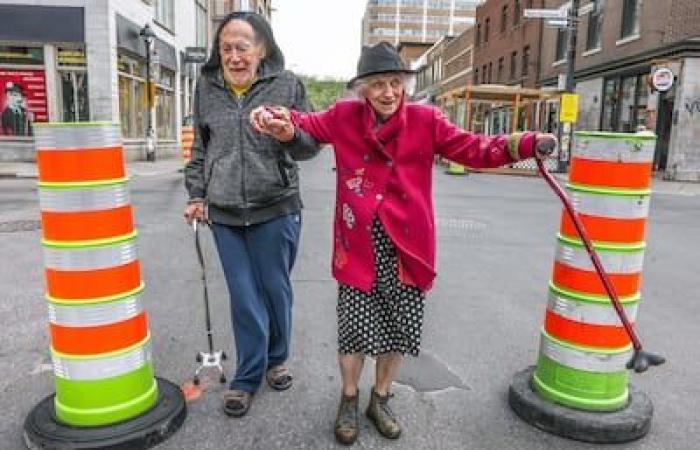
[90, 258]
[96, 368]
[587, 359]
[77, 137]
[590, 313]
[95, 314]
[615, 150]
[613, 262]
[609, 205]
[84, 199]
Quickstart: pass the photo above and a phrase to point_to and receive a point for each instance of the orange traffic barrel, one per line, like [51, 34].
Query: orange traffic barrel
[100, 342]
[187, 140]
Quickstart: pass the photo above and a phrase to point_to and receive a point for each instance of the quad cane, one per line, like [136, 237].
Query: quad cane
[211, 358]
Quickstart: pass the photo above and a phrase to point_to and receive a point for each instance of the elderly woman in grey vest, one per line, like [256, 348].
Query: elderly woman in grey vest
[246, 186]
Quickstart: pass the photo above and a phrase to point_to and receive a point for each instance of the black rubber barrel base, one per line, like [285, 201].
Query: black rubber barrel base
[43, 431]
[628, 424]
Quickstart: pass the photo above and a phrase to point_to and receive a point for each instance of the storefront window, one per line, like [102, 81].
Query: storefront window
[73, 85]
[132, 97]
[165, 105]
[22, 90]
[624, 103]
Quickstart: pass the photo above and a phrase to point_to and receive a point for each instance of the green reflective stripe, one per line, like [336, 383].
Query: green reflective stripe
[590, 298]
[93, 301]
[81, 184]
[604, 246]
[634, 137]
[90, 243]
[607, 191]
[72, 124]
[580, 389]
[103, 402]
[514, 146]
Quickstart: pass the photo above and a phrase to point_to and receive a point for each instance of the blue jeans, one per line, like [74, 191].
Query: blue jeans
[257, 262]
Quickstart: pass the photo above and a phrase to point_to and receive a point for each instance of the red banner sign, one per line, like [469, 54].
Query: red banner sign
[22, 101]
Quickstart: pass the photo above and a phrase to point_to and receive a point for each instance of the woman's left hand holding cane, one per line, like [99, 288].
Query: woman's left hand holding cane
[274, 121]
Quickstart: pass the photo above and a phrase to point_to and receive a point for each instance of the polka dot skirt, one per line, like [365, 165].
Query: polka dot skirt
[389, 318]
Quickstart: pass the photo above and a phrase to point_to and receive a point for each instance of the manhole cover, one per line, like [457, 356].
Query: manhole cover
[14, 226]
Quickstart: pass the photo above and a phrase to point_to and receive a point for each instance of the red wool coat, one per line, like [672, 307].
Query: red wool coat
[386, 171]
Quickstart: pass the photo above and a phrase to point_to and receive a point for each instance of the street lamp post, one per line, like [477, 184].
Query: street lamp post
[147, 34]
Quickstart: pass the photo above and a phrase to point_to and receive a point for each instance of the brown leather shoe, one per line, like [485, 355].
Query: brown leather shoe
[237, 402]
[346, 427]
[279, 377]
[382, 417]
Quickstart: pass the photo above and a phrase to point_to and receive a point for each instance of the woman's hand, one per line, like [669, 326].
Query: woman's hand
[274, 121]
[195, 211]
[545, 146]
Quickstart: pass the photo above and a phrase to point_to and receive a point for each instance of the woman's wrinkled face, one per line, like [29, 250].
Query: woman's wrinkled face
[384, 92]
[241, 53]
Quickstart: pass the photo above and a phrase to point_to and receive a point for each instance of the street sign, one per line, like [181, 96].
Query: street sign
[569, 108]
[662, 79]
[546, 13]
[195, 54]
[558, 23]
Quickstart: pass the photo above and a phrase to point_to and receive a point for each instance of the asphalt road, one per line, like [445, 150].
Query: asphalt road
[496, 241]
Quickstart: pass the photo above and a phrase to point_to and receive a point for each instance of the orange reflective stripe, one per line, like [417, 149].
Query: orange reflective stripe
[585, 333]
[87, 284]
[99, 339]
[88, 164]
[606, 229]
[87, 225]
[588, 282]
[631, 175]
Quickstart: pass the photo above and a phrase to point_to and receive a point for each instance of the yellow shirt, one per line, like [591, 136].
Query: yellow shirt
[238, 91]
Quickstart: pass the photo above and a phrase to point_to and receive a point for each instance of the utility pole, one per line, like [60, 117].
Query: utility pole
[572, 26]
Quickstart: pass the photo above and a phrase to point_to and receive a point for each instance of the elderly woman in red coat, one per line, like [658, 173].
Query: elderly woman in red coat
[384, 230]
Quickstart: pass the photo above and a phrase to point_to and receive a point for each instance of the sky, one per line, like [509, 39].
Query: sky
[319, 37]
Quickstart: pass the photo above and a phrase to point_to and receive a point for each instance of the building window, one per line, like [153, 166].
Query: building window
[165, 13]
[132, 96]
[504, 18]
[625, 103]
[201, 23]
[165, 104]
[526, 61]
[22, 90]
[513, 64]
[562, 36]
[595, 24]
[73, 85]
[517, 12]
[630, 17]
[478, 35]
[476, 76]
[245, 5]
[487, 26]
[501, 64]
[490, 72]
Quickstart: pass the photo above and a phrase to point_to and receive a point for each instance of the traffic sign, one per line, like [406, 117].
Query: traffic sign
[546, 13]
[569, 108]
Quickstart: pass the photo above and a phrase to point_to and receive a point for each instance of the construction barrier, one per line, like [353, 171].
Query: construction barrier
[100, 343]
[584, 347]
[187, 140]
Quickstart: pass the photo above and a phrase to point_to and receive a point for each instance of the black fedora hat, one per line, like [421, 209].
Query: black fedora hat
[379, 58]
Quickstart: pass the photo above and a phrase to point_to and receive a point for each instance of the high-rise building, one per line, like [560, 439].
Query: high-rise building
[409, 21]
[220, 8]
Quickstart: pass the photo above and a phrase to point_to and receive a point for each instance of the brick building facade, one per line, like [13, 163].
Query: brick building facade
[620, 45]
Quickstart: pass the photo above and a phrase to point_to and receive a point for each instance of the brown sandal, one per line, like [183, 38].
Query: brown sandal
[279, 377]
[237, 402]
